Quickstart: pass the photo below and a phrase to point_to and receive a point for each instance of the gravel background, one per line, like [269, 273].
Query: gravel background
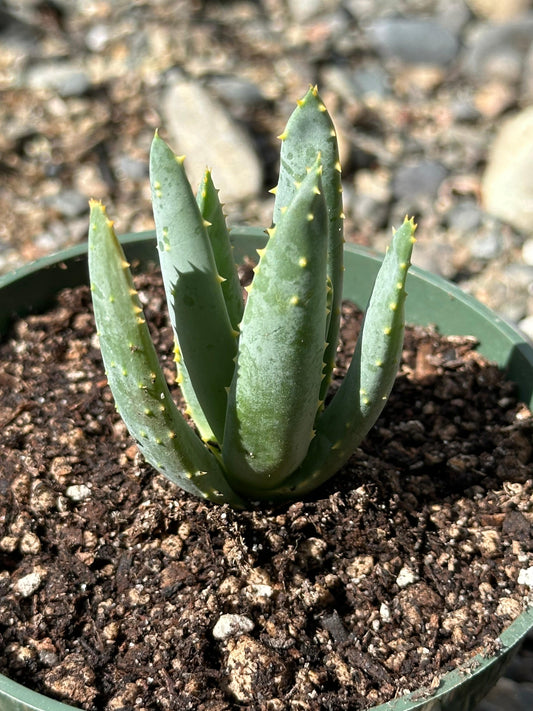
[433, 100]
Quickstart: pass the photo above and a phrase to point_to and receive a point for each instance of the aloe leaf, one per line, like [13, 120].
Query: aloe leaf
[274, 395]
[206, 342]
[308, 131]
[135, 376]
[365, 389]
[217, 231]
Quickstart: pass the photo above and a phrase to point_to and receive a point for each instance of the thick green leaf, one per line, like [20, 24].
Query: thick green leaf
[366, 387]
[135, 376]
[217, 231]
[206, 341]
[274, 395]
[309, 131]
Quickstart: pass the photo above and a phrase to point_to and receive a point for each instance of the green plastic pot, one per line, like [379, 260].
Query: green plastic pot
[431, 300]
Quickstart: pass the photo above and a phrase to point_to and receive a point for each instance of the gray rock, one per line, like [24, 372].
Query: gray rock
[364, 10]
[498, 51]
[518, 282]
[64, 78]
[18, 35]
[486, 245]
[371, 80]
[435, 257]
[131, 168]
[69, 203]
[61, 233]
[200, 127]
[236, 91]
[420, 179]
[414, 41]
[365, 209]
[507, 184]
[453, 14]
[464, 217]
[526, 88]
[463, 109]
[519, 274]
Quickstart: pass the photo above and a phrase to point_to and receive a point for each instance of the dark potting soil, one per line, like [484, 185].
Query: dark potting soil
[119, 592]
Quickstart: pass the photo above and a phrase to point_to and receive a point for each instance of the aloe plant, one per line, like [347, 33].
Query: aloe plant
[254, 375]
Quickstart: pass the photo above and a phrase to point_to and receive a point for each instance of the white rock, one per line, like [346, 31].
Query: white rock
[526, 326]
[527, 251]
[525, 577]
[200, 128]
[78, 492]
[406, 577]
[232, 626]
[30, 583]
[259, 591]
[384, 612]
[507, 185]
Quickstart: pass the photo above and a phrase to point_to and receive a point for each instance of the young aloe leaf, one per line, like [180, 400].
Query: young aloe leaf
[274, 395]
[311, 130]
[206, 341]
[366, 387]
[217, 231]
[135, 376]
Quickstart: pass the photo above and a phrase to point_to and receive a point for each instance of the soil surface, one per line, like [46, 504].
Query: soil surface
[117, 591]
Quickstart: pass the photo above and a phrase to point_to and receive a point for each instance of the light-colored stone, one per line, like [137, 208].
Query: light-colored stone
[525, 577]
[526, 326]
[527, 251]
[498, 10]
[303, 10]
[232, 626]
[30, 583]
[78, 492]
[65, 78]
[258, 592]
[406, 577]
[413, 40]
[384, 612]
[507, 185]
[497, 52]
[201, 129]
[494, 97]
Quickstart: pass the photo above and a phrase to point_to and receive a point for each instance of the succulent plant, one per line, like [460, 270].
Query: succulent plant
[254, 375]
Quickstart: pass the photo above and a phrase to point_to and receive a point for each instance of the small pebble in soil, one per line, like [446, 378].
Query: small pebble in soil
[232, 626]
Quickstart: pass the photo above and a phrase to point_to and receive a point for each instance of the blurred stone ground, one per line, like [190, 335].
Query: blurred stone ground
[433, 101]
